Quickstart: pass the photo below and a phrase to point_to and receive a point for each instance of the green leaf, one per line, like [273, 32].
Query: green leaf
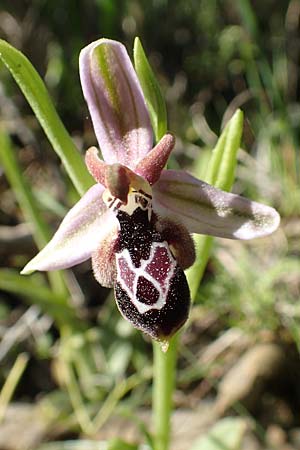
[227, 434]
[151, 89]
[118, 444]
[220, 173]
[22, 190]
[37, 96]
[223, 161]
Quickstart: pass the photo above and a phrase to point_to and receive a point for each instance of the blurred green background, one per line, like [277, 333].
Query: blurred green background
[78, 362]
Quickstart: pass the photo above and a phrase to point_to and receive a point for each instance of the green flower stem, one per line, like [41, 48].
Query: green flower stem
[164, 373]
[37, 96]
[221, 174]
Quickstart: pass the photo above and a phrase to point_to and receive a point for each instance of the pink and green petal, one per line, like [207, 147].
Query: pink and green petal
[116, 102]
[81, 232]
[151, 166]
[203, 209]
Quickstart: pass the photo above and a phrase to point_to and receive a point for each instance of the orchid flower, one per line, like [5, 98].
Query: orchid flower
[136, 222]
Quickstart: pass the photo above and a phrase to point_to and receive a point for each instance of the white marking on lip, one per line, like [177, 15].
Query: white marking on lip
[141, 271]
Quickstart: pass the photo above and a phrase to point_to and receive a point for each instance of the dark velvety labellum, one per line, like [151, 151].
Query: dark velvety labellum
[136, 235]
[151, 289]
[159, 323]
[146, 292]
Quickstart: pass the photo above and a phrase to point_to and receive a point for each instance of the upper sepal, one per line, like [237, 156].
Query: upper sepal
[204, 209]
[116, 102]
[79, 235]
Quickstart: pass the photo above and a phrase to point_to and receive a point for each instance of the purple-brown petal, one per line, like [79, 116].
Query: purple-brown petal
[117, 180]
[95, 165]
[204, 209]
[116, 102]
[151, 166]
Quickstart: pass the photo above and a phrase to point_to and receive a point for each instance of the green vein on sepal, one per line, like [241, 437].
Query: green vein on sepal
[103, 59]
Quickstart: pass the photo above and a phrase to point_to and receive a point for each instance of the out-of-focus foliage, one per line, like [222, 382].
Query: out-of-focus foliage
[211, 57]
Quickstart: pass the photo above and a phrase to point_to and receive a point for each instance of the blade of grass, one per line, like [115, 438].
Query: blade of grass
[54, 301]
[220, 173]
[68, 378]
[37, 96]
[34, 290]
[22, 191]
[11, 382]
[28, 204]
[120, 390]
[248, 17]
[151, 89]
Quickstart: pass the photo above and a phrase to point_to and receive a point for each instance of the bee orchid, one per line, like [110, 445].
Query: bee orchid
[136, 222]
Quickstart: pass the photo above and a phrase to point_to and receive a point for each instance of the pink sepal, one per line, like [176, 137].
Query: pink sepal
[116, 102]
[203, 209]
[79, 234]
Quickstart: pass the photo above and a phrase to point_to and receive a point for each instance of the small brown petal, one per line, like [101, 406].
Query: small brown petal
[151, 166]
[117, 180]
[95, 165]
